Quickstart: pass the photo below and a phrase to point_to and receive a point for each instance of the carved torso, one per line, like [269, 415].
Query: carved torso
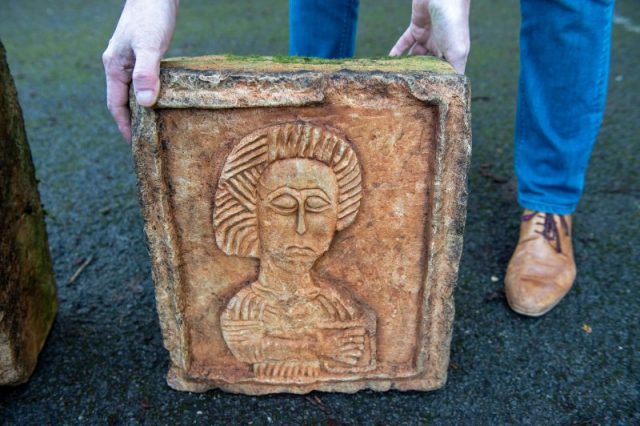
[278, 334]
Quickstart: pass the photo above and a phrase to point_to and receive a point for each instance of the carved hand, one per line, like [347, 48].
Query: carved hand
[141, 37]
[342, 345]
[439, 28]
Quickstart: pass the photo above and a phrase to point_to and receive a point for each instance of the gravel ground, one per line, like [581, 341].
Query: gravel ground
[104, 362]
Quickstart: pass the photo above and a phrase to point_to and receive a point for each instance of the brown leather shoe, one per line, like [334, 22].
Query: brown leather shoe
[542, 269]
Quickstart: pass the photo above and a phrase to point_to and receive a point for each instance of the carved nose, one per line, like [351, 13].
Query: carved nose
[301, 227]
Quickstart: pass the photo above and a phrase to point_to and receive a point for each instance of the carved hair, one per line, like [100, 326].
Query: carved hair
[234, 216]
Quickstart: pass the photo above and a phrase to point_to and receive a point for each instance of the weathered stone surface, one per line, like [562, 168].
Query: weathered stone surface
[27, 288]
[305, 220]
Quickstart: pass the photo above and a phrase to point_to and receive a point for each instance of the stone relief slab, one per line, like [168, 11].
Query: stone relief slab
[305, 221]
[28, 295]
[283, 194]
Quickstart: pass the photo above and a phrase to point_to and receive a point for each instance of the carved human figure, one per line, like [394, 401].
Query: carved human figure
[283, 193]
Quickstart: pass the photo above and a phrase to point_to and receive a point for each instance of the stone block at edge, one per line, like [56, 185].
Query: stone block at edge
[305, 220]
[28, 299]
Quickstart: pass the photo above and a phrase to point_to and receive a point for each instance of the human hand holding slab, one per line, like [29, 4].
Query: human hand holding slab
[439, 28]
[140, 39]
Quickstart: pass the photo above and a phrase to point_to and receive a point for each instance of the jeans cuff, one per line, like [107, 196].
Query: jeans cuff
[546, 208]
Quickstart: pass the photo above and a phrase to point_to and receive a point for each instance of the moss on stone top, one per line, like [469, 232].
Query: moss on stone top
[299, 63]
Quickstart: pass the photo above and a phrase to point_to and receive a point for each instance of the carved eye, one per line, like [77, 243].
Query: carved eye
[316, 204]
[285, 203]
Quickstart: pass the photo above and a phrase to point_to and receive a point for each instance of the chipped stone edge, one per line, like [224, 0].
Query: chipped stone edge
[184, 89]
[157, 215]
[452, 164]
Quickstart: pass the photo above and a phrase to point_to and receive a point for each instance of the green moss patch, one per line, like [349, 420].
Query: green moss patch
[299, 63]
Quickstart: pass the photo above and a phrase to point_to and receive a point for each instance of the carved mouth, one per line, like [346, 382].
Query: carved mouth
[302, 251]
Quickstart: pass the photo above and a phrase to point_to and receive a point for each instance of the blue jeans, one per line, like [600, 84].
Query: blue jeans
[564, 67]
[323, 28]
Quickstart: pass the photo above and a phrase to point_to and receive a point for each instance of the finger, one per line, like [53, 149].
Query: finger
[274, 310]
[420, 15]
[146, 80]
[117, 103]
[271, 315]
[352, 347]
[405, 41]
[351, 354]
[418, 49]
[349, 360]
[352, 339]
[118, 78]
[271, 310]
[353, 331]
[434, 49]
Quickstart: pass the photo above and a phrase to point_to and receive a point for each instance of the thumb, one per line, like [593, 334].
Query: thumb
[146, 80]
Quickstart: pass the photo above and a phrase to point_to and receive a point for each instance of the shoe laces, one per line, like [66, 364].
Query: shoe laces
[549, 228]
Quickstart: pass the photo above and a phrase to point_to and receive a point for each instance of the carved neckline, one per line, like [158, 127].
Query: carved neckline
[300, 292]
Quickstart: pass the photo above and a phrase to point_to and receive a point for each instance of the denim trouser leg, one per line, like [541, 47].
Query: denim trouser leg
[323, 28]
[564, 67]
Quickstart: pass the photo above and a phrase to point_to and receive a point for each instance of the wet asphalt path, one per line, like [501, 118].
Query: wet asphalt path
[104, 362]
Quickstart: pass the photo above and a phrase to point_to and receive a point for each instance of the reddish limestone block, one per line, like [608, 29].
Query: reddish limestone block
[305, 220]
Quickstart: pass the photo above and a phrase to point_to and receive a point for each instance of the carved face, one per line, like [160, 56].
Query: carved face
[297, 211]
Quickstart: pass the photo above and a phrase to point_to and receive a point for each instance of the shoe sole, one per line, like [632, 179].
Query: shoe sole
[524, 312]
